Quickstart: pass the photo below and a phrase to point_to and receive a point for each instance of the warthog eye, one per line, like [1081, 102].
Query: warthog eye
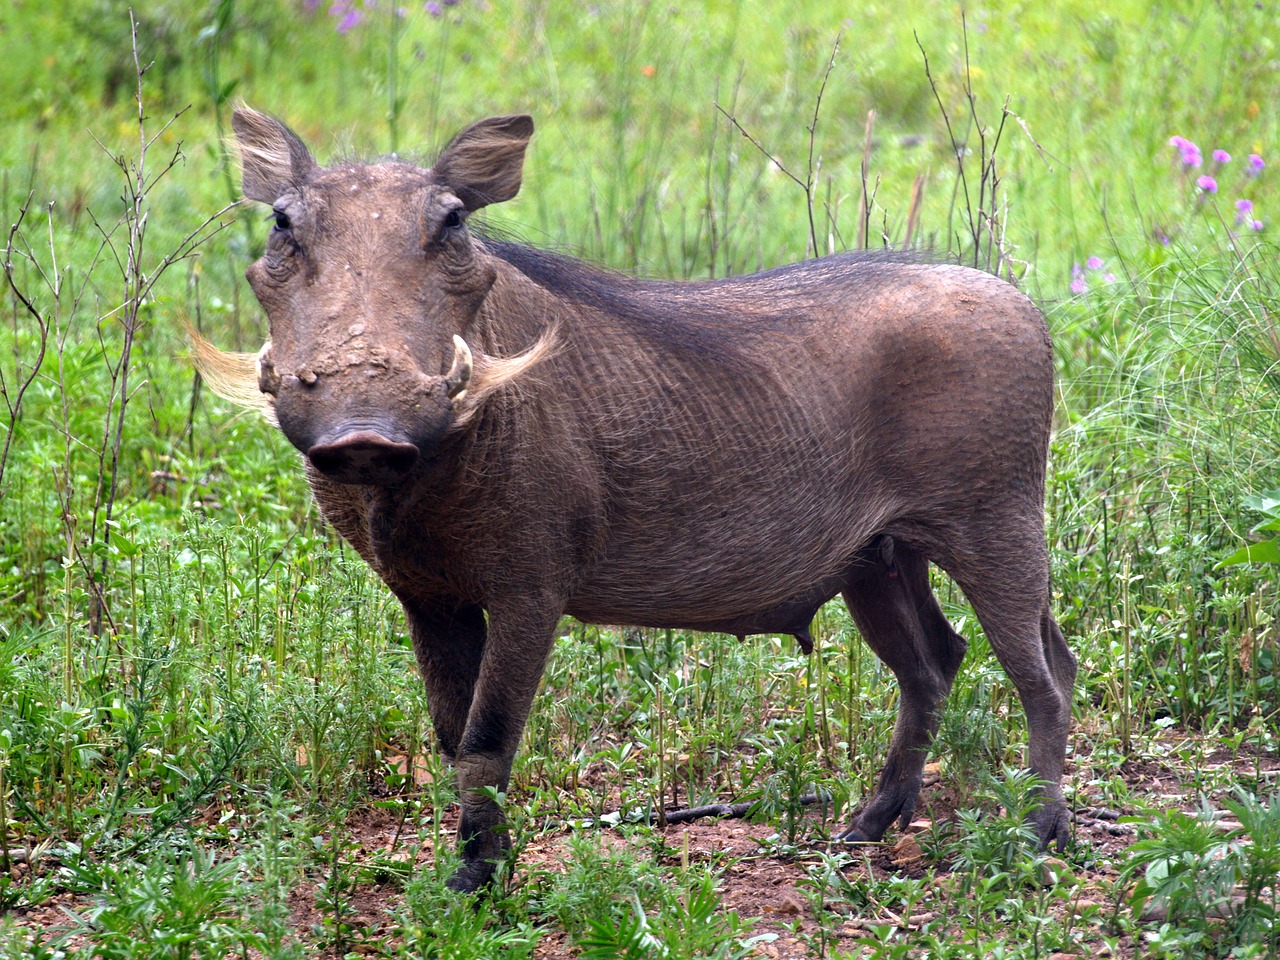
[282, 220]
[453, 219]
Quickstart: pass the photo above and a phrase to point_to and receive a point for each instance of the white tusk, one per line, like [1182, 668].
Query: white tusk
[268, 378]
[459, 374]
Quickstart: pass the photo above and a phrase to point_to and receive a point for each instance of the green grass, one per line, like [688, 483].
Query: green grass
[205, 697]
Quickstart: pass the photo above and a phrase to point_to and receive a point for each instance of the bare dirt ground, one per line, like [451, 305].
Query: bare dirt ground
[767, 888]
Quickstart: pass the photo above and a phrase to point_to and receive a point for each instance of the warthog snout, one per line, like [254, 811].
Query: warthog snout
[369, 417]
[364, 456]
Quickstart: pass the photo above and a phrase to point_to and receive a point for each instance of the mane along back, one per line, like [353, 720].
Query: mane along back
[723, 321]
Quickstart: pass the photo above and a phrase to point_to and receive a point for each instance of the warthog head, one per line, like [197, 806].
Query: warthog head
[371, 281]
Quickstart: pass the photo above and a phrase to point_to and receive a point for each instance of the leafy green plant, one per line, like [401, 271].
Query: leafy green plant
[687, 925]
[598, 884]
[1257, 916]
[441, 926]
[181, 904]
[1264, 551]
[1209, 880]
[993, 851]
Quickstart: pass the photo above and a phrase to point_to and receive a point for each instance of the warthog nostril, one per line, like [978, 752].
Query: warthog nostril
[364, 457]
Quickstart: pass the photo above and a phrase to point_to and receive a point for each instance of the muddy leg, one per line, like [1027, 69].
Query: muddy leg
[899, 617]
[520, 638]
[449, 640]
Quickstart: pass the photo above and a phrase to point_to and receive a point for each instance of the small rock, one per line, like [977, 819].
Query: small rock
[1054, 871]
[906, 851]
[1081, 907]
[789, 907]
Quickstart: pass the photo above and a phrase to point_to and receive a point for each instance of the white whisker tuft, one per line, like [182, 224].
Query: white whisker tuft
[493, 373]
[232, 376]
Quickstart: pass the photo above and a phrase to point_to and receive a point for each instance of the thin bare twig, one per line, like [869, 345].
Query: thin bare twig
[957, 148]
[124, 244]
[913, 210]
[985, 215]
[868, 196]
[13, 398]
[811, 177]
[756, 143]
[814, 167]
[687, 815]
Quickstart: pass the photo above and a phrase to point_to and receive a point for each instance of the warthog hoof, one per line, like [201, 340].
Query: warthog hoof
[470, 877]
[895, 803]
[1053, 824]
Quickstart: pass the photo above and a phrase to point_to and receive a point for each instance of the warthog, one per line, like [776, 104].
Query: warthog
[508, 436]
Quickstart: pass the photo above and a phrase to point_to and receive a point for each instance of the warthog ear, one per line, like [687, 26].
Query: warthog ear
[272, 157]
[482, 164]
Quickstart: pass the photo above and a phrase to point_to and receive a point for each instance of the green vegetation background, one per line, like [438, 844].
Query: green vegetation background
[211, 660]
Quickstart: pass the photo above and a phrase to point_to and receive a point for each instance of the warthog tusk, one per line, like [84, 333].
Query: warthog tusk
[459, 374]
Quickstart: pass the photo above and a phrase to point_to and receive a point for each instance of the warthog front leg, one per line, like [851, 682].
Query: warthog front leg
[449, 640]
[520, 638]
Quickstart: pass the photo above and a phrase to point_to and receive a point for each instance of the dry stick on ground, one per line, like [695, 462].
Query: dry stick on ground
[689, 814]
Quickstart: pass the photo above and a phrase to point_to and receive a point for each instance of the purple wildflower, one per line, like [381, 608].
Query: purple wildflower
[1221, 156]
[1094, 263]
[1256, 225]
[1188, 151]
[350, 21]
[1256, 163]
[1207, 184]
[1109, 277]
[1244, 212]
[432, 8]
[311, 6]
[1078, 282]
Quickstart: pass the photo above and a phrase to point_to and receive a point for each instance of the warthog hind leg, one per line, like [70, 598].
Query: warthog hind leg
[1012, 604]
[899, 617]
